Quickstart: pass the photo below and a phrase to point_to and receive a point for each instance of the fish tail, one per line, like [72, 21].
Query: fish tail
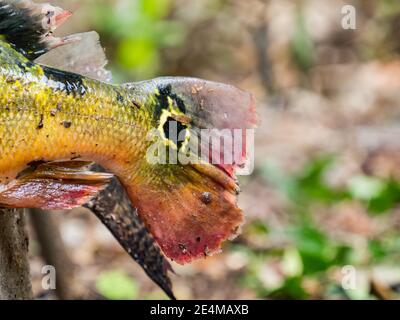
[186, 189]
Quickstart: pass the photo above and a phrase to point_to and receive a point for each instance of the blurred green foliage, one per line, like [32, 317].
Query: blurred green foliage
[137, 31]
[116, 285]
[309, 253]
[302, 45]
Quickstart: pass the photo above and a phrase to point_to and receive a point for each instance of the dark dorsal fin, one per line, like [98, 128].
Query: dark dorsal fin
[28, 26]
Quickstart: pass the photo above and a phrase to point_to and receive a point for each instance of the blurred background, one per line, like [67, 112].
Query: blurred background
[323, 202]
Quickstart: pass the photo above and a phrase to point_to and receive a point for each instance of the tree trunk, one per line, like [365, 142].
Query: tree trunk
[55, 254]
[15, 282]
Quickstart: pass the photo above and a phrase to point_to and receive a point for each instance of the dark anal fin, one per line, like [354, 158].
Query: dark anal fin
[53, 186]
[113, 207]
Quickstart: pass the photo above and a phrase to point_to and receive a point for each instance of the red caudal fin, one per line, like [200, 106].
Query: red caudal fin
[190, 212]
[190, 206]
[57, 185]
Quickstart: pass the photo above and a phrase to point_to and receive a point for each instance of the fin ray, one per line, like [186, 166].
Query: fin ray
[53, 186]
[84, 56]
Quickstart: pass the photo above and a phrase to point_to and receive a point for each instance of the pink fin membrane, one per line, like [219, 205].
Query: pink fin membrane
[54, 186]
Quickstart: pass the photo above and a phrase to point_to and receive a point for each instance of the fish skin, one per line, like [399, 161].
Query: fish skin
[45, 119]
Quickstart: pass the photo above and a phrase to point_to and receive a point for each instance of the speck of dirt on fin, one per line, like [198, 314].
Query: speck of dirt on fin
[206, 198]
[182, 247]
[206, 251]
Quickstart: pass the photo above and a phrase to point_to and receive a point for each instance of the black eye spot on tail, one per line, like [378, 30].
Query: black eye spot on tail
[171, 129]
[22, 30]
[162, 100]
[69, 82]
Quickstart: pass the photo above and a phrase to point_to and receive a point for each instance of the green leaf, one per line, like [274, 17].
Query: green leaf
[313, 247]
[273, 174]
[302, 45]
[258, 227]
[377, 250]
[317, 251]
[155, 9]
[133, 53]
[292, 289]
[308, 186]
[387, 199]
[292, 264]
[365, 188]
[116, 285]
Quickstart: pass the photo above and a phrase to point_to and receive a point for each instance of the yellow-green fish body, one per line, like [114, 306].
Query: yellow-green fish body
[48, 114]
